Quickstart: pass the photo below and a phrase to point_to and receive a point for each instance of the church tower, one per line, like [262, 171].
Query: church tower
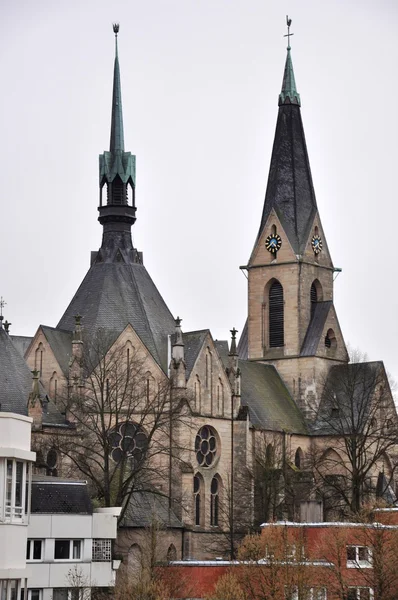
[292, 322]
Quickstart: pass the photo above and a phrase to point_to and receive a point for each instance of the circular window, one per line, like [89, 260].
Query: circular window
[128, 440]
[206, 446]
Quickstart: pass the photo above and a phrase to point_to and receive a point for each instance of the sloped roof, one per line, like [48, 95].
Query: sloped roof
[15, 378]
[21, 343]
[193, 342]
[315, 328]
[61, 344]
[112, 295]
[268, 399]
[145, 507]
[223, 351]
[53, 495]
[243, 345]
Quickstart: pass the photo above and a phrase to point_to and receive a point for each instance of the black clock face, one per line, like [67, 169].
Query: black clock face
[316, 243]
[273, 243]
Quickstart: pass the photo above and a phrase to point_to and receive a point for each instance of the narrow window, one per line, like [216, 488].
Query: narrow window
[171, 553]
[276, 317]
[214, 502]
[34, 550]
[196, 492]
[330, 339]
[314, 298]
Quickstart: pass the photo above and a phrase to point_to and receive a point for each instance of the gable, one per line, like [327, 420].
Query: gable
[260, 255]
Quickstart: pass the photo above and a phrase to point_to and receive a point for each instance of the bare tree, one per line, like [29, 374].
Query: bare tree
[358, 422]
[126, 421]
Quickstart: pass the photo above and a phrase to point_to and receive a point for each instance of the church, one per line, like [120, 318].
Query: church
[210, 438]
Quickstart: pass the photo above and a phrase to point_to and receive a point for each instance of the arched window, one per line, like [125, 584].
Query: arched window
[171, 553]
[39, 358]
[298, 458]
[134, 561]
[119, 192]
[214, 501]
[316, 294]
[330, 339]
[198, 497]
[198, 394]
[276, 317]
[270, 455]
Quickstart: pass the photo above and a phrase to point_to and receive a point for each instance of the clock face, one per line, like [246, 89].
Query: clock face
[316, 243]
[273, 243]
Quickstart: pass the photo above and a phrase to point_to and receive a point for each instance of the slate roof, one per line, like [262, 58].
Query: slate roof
[193, 342]
[145, 506]
[315, 328]
[349, 389]
[21, 343]
[223, 351]
[243, 345]
[53, 495]
[290, 190]
[268, 399]
[112, 295]
[61, 344]
[15, 377]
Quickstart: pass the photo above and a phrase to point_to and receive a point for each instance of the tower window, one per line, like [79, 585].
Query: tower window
[314, 299]
[117, 192]
[276, 316]
[330, 339]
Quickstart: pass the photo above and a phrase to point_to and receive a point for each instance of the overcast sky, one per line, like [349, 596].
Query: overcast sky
[200, 84]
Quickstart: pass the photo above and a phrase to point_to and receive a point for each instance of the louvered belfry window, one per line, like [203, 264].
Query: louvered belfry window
[314, 298]
[276, 317]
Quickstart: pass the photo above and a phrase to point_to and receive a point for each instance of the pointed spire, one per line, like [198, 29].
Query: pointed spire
[117, 133]
[289, 92]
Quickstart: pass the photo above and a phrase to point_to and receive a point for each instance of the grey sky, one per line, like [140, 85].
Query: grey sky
[200, 83]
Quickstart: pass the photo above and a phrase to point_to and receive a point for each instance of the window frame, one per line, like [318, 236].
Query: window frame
[358, 562]
[71, 546]
[30, 544]
[14, 490]
[101, 545]
[358, 588]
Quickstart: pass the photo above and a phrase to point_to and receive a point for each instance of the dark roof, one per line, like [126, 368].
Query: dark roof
[146, 507]
[112, 295]
[290, 190]
[193, 342]
[268, 399]
[53, 495]
[223, 351]
[315, 328]
[21, 343]
[243, 346]
[349, 389]
[15, 377]
[61, 344]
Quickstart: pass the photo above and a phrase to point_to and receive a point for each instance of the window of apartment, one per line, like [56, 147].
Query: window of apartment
[67, 594]
[34, 550]
[359, 593]
[359, 556]
[306, 594]
[102, 550]
[34, 594]
[9, 589]
[67, 550]
[15, 487]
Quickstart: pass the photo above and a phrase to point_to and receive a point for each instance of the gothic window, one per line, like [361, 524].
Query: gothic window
[214, 501]
[206, 446]
[270, 455]
[51, 462]
[198, 494]
[39, 358]
[209, 367]
[197, 394]
[220, 397]
[276, 316]
[330, 339]
[316, 294]
[128, 440]
[298, 458]
[171, 553]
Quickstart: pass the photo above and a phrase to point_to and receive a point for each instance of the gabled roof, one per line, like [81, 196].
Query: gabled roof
[21, 343]
[243, 345]
[223, 351]
[315, 328]
[111, 296]
[15, 377]
[145, 507]
[268, 399]
[61, 344]
[53, 495]
[193, 342]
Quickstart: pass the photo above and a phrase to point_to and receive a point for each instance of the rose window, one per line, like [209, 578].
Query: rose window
[128, 440]
[206, 446]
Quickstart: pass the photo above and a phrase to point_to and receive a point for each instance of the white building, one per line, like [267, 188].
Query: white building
[69, 548]
[15, 468]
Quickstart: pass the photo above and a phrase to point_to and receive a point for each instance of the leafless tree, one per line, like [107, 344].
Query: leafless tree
[127, 422]
[357, 422]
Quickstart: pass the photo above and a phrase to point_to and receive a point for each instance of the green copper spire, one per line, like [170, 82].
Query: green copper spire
[289, 92]
[117, 134]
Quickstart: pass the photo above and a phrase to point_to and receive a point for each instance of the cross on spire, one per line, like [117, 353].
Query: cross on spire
[288, 35]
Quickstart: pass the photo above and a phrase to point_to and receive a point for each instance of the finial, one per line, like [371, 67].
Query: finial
[115, 28]
[7, 326]
[178, 322]
[288, 23]
[233, 351]
[2, 305]
[78, 319]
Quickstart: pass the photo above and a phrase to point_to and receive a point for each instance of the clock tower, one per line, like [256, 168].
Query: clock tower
[292, 322]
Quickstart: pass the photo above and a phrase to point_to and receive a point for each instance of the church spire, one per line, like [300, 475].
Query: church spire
[117, 175]
[290, 190]
[117, 133]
